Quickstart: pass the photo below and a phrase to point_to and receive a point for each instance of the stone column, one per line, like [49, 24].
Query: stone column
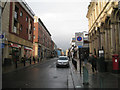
[106, 43]
[119, 35]
[22, 51]
[112, 39]
[116, 38]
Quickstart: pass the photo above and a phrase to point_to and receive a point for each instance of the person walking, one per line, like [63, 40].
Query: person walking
[34, 59]
[94, 63]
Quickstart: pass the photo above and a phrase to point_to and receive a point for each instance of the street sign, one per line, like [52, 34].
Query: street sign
[2, 45]
[79, 46]
[79, 39]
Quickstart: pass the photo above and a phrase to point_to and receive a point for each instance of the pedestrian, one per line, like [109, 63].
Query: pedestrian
[94, 63]
[30, 59]
[24, 60]
[34, 59]
[85, 58]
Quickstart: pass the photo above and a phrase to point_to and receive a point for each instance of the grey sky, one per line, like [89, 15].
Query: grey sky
[62, 18]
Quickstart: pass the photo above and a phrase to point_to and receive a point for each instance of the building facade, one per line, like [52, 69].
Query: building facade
[104, 28]
[42, 43]
[17, 28]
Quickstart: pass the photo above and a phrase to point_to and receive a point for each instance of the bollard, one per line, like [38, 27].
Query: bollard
[85, 76]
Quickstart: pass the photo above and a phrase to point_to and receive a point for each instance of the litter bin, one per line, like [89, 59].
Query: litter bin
[115, 62]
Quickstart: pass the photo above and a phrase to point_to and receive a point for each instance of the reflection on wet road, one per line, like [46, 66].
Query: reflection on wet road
[44, 75]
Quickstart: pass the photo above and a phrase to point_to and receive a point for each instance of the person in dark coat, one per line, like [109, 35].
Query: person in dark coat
[34, 59]
[94, 63]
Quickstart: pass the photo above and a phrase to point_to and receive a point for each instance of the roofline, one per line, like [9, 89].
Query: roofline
[44, 26]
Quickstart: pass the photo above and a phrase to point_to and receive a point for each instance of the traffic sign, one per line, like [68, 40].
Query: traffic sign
[1, 36]
[79, 39]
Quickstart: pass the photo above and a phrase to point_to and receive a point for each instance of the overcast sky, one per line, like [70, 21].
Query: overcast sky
[62, 18]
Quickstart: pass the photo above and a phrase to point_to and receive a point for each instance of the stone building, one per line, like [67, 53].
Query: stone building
[17, 28]
[104, 29]
[42, 43]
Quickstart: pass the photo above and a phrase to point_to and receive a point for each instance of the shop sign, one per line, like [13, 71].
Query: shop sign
[15, 45]
[27, 48]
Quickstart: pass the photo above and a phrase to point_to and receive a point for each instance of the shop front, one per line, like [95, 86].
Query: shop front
[15, 52]
[27, 52]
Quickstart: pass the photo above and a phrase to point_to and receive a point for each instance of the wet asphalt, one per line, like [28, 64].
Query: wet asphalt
[43, 75]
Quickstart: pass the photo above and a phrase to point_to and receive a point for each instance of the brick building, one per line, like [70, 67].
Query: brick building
[17, 27]
[42, 43]
[104, 29]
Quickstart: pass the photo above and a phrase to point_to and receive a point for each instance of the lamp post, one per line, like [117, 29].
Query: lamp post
[0, 45]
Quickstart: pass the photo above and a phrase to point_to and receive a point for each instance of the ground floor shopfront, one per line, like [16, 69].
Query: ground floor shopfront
[41, 52]
[14, 51]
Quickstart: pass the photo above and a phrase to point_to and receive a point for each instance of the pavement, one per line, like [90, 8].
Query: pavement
[95, 80]
[75, 79]
[20, 65]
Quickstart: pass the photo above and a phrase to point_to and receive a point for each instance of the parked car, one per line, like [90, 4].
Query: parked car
[62, 61]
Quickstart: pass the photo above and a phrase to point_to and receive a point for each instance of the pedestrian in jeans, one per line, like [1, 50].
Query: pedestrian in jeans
[94, 63]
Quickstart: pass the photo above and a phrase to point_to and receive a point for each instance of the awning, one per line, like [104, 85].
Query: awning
[15, 45]
[27, 48]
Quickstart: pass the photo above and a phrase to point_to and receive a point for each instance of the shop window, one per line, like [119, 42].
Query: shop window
[10, 51]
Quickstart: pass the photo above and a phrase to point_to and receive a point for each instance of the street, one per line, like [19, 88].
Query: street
[43, 75]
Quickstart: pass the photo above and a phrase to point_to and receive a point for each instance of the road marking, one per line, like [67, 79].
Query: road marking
[78, 86]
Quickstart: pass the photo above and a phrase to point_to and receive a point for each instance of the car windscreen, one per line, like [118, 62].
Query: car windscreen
[63, 58]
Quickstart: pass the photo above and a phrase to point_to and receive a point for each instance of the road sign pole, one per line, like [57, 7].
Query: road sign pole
[80, 58]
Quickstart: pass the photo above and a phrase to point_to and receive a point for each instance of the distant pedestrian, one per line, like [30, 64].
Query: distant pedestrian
[34, 59]
[94, 63]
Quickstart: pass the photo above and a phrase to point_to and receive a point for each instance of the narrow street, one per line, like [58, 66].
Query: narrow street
[43, 75]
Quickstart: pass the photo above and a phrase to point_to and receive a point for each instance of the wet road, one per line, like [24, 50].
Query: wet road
[44, 75]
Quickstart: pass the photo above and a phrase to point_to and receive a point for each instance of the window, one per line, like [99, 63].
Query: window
[15, 27]
[27, 18]
[34, 37]
[34, 28]
[21, 13]
[16, 12]
[20, 27]
[27, 30]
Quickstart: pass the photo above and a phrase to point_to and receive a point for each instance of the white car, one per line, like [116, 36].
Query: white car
[62, 61]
